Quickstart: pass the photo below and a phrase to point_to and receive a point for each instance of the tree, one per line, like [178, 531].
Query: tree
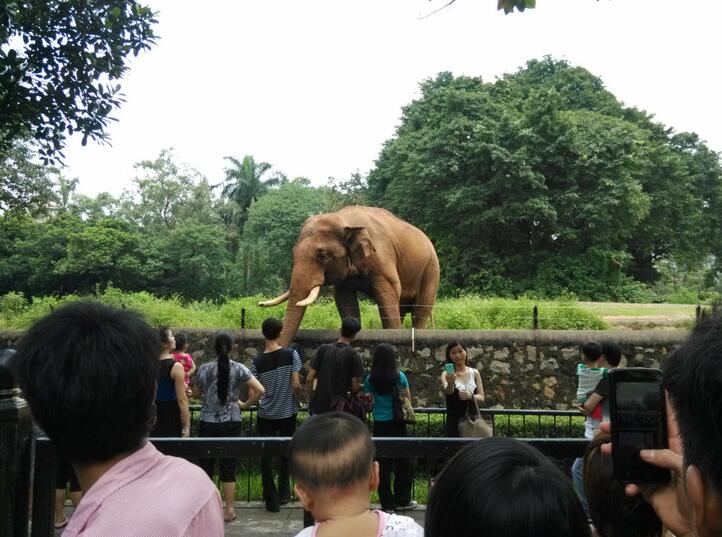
[25, 185]
[352, 191]
[544, 182]
[244, 184]
[271, 230]
[59, 61]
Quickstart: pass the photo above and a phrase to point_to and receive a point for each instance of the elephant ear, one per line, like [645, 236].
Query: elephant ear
[358, 243]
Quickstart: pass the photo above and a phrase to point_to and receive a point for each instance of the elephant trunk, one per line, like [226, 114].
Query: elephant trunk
[293, 318]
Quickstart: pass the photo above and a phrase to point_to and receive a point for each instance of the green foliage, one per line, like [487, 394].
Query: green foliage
[59, 64]
[24, 184]
[271, 231]
[542, 181]
[509, 5]
[462, 313]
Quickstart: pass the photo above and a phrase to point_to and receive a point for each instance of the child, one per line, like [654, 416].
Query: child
[180, 354]
[332, 463]
[588, 375]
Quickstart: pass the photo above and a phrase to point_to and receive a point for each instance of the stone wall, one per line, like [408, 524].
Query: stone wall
[519, 368]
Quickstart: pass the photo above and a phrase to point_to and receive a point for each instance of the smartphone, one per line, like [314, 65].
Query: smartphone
[449, 369]
[639, 421]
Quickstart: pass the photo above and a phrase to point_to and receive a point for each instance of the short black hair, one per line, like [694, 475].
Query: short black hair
[350, 326]
[89, 373]
[180, 341]
[503, 487]
[613, 513]
[331, 450]
[591, 351]
[271, 328]
[612, 353]
[693, 379]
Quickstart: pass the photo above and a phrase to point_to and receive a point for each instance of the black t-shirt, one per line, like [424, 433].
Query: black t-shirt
[335, 365]
[602, 388]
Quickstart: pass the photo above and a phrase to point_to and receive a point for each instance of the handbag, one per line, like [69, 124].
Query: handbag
[403, 411]
[474, 426]
[351, 404]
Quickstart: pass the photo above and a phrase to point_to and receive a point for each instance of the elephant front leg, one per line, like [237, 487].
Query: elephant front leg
[387, 296]
[346, 302]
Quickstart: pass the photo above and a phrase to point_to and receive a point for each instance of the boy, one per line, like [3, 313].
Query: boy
[589, 375]
[332, 464]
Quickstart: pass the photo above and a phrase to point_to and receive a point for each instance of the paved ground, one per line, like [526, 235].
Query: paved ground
[252, 520]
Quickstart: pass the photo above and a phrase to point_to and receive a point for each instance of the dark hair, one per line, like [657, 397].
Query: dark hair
[271, 328]
[591, 351]
[223, 343]
[331, 450]
[384, 373]
[450, 346]
[350, 326]
[163, 334]
[612, 353]
[89, 372]
[693, 379]
[180, 341]
[501, 487]
[613, 513]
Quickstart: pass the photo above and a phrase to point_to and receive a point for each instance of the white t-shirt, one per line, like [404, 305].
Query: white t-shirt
[389, 526]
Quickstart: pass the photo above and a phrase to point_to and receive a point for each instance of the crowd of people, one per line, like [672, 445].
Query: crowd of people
[100, 380]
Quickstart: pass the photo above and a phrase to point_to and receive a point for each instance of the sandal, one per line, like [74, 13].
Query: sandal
[226, 518]
[60, 525]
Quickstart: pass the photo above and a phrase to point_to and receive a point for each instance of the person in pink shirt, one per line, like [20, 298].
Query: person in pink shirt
[88, 373]
[182, 356]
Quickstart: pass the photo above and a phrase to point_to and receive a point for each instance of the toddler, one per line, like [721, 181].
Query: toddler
[180, 354]
[332, 463]
[588, 375]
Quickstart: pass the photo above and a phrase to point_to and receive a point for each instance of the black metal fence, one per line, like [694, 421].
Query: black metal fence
[428, 455]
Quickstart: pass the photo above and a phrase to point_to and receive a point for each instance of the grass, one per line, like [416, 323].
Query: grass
[468, 312]
[638, 310]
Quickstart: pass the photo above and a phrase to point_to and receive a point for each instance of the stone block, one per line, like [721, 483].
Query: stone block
[549, 365]
[424, 353]
[530, 352]
[570, 353]
[550, 381]
[500, 368]
[549, 393]
[501, 354]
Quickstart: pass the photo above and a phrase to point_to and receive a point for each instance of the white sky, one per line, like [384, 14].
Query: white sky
[316, 87]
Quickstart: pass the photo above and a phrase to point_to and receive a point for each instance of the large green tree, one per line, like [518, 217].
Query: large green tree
[271, 230]
[60, 61]
[544, 182]
[244, 184]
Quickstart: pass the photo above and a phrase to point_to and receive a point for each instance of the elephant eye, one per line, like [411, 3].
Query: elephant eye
[323, 255]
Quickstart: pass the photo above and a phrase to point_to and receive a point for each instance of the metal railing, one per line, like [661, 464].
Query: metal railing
[431, 422]
[427, 454]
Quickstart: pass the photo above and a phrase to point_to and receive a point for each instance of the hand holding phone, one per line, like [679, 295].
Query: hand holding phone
[449, 369]
[639, 421]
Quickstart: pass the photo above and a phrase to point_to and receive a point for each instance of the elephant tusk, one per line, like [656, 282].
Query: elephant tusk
[275, 301]
[311, 298]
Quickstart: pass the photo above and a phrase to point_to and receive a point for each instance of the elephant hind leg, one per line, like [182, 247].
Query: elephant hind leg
[426, 297]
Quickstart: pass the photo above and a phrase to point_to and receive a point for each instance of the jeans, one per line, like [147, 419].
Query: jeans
[578, 481]
[281, 427]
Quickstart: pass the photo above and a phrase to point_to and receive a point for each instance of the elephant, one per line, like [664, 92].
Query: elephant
[365, 249]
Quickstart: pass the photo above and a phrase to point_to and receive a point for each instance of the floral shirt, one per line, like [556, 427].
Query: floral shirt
[207, 380]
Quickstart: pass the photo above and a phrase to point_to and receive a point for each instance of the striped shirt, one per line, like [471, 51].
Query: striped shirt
[273, 370]
[148, 493]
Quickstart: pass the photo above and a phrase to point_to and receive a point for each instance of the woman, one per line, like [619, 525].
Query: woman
[219, 385]
[501, 487]
[459, 386]
[382, 382]
[173, 416]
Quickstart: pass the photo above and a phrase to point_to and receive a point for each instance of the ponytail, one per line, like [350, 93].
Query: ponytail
[223, 345]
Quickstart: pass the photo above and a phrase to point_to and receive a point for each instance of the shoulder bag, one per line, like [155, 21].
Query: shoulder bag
[474, 425]
[403, 411]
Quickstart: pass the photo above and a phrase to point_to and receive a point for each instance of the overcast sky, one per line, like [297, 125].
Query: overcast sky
[316, 87]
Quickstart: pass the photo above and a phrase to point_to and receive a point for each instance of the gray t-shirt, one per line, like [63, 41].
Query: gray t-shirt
[207, 380]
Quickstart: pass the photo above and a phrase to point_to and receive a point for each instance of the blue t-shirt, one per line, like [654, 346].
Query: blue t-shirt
[383, 404]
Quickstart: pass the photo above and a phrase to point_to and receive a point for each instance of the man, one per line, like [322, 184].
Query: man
[89, 375]
[691, 505]
[277, 370]
[337, 369]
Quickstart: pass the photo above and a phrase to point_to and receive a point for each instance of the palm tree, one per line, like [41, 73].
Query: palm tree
[243, 183]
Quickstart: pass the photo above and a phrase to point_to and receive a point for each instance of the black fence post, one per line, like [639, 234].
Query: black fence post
[698, 312]
[536, 317]
[16, 435]
[243, 318]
